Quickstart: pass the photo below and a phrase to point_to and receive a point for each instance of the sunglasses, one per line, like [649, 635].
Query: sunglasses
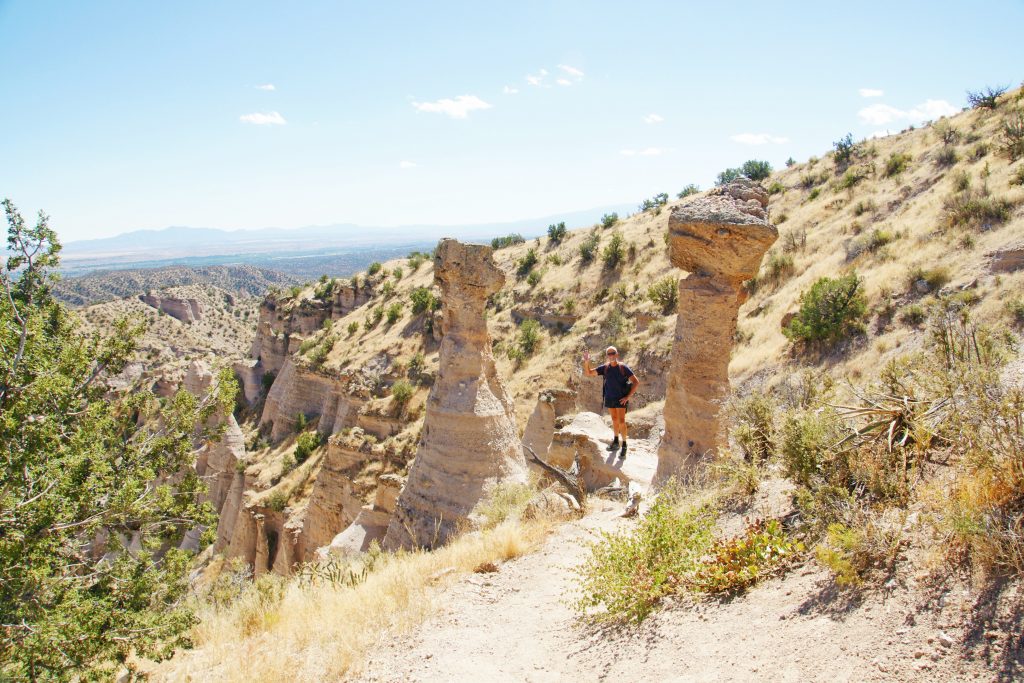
[612, 353]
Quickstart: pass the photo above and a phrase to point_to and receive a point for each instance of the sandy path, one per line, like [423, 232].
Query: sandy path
[515, 625]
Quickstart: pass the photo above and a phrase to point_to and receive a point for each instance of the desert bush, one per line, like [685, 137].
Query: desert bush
[305, 445]
[376, 315]
[629, 572]
[352, 328]
[863, 206]
[507, 241]
[1017, 178]
[414, 261]
[753, 426]
[401, 392]
[790, 162]
[778, 267]
[929, 279]
[526, 263]
[961, 181]
[294, 291]
[569, 305]
[979, 151]
[851, 552]
[830, 310]
[946, 156]
[397, 273]
[278, 500]
[665, 294]
[529, 336]
[896, 164]
[656, 202]
[505, 501]
[690, 189]
[609, 219]
[794, 240]
[806, 444]
[776, 188]
[324, 288]
[734, 564]
[844, 149]
[815, 193]
[1015, 307]
[975, 209]
[914, 315]
[267, 381]
[533, 279]
[557, 232]
[986, 98]
[423, 300]
[394, 312]
[374, 268]
[1011, 137]
[946, 133]
[727, 176]
[614, 252]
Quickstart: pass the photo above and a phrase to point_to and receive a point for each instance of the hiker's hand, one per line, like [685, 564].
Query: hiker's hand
[586, 355]
[624, 401]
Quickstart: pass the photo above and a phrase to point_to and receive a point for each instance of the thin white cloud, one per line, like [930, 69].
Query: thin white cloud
[537, 79]
[509, 90]
[266, 86]
[406, 164]
[653, 118]
[646, 152]
[563, 81]
[759, 139]
[572, 71]
[881, 114]
[270, 118]
[457, 108]
[870, 92]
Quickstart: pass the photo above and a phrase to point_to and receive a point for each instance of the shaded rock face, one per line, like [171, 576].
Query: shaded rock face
[185, 310]
[469, 437]
[720, 240]
[371, 524]
[300, 390]
[1006, 260]
[540, 428]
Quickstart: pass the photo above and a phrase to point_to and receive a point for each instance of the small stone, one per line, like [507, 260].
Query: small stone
[918, 654]
[945, 640]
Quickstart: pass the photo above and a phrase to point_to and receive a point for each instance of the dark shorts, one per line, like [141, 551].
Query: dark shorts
[610, 402]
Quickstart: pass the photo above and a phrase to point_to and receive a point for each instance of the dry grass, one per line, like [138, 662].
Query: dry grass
[279, 630]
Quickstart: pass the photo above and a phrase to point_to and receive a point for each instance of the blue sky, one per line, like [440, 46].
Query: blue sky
[130, 115]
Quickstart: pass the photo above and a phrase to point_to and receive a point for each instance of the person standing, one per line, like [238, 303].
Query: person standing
[619, 385]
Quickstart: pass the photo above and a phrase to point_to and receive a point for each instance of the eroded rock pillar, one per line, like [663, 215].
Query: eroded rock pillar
[469, 437]
[719, 239]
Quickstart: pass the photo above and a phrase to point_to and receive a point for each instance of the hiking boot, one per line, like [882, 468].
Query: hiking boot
[614, 445]
[622, 453]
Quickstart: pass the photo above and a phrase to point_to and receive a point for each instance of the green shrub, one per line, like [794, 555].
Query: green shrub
[806, 444]
[609, 219]
[656, 202]
[352, 328]
[630, 571]
[504, 501]
[946, 156]
[423, 300]
[300, 422]
[665, 294]
[376, 315]
[735, 564]
[588, 248]
[388, 290]
[374, 268]
[507, 241]
[397, 273]
[815, 193]
[557, 232]
[394, 312]
[863, 206]
[401, 392]
[1018, 177]
[293, 292]
[727, 176]
[831, 310]
[533, 279]
[851, 552]
[526, 263]
[278, 500]
[946, 133]
[1011, 137]
[305, 445]
[529, 336]
[569, 305]
[323, 289]
[932, 278]
[844, 149]
[790, 162]
[267, 381]
[987, 98]
[415, 261]
[914, 315]
[1015, 307]
[896, 164]
[794, 240]
[690, 189]
[850, 178]
[776, 188]
[614, 252]
[976, 210]
[753, 420]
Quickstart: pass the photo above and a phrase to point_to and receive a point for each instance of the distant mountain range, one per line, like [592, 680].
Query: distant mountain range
[274, 247]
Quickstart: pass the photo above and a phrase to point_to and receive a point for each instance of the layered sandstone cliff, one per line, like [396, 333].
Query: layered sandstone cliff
[469, 437]
[719, 239]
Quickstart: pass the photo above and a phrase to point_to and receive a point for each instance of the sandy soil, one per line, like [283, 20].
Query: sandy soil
[516, 625]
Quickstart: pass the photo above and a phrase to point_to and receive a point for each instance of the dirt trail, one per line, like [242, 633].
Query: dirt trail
[515, 625]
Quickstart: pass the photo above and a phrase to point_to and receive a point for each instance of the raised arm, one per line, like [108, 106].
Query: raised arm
[587, 370]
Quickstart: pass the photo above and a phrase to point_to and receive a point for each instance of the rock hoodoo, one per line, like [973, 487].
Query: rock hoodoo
[719, 239]
[469, 434]
[185, 310]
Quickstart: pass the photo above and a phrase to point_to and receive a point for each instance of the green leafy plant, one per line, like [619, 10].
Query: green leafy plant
[394, 312]
[986, 98]
[609, 219]
[614, 252]
[896, 164]
[665, 294]
[374, 268]
[526, 263]
[588, 248]
[830, 310]
[690, 189]
[305, 445]
[844, 149]
[401, 392]
[423, 300]
[735, 564]
[557, 232]
[507, 241]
